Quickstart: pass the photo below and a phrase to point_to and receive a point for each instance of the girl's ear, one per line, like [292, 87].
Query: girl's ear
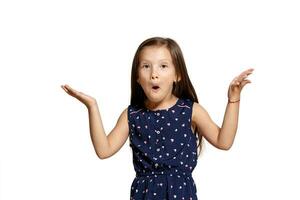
[178, 78]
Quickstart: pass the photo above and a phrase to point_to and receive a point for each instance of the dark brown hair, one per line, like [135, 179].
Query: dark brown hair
[181, 89]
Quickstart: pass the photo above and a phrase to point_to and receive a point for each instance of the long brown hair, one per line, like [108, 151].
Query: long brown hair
[181, 89]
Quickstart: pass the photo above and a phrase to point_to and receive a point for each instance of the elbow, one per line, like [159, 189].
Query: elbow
[102, 156]
[225, 147]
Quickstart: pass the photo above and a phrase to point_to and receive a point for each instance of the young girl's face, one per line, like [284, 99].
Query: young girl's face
[156, 73]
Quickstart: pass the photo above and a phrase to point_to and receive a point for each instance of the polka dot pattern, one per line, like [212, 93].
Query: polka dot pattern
[164, 152]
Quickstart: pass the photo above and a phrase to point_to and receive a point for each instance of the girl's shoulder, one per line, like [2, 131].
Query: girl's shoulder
[186, 102]
[133, 110]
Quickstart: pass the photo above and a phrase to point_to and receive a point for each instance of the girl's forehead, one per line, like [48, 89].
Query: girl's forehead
[155, 53]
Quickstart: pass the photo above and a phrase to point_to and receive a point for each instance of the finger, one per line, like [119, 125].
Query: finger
[64, 88]
[72, 91]
[245, 82]
[250, 70]
[238, 79]
[235, 81]
[247, 72]
[242, 77]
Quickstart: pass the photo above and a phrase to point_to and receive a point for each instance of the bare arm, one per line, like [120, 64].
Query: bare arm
[208, 128]
[223, 137]
[229, 126]
[106, 146]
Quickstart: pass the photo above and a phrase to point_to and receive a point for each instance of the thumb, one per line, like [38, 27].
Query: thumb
[244, 83]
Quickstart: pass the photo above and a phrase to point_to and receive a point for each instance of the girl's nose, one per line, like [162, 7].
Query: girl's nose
[154, 74]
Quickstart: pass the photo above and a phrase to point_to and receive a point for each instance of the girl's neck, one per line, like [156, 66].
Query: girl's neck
[164, 104]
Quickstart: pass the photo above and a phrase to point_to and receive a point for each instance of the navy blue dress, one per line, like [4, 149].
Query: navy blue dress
[164, 152]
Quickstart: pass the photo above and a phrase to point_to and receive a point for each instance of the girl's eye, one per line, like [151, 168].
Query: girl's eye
[146, 66]
[164, 66]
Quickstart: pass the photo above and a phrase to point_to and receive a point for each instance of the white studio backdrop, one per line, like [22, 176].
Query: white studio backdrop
[45, 146]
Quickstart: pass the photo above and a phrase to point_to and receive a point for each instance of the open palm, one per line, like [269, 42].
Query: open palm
[82, 97]
[238, 83]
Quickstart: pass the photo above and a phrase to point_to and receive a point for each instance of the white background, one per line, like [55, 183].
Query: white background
[45, 147]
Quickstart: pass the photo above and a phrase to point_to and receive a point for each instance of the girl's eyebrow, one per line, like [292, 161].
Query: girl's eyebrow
[165, 60]
[145, 60]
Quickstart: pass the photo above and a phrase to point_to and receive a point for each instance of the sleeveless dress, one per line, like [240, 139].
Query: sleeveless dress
[164, 152]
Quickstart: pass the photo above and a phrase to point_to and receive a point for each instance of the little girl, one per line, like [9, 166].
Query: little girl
[164, 122]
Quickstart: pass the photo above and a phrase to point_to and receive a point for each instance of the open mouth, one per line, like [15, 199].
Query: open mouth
[155, 88]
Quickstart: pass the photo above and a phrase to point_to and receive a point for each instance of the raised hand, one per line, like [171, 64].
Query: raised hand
[84, 98]
[237, 85]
